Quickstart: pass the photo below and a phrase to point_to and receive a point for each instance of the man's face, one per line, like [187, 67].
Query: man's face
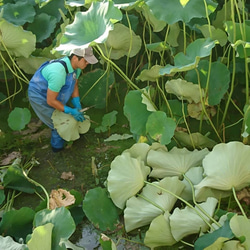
[82, 63]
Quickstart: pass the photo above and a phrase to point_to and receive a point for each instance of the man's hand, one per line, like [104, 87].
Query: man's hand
[75, 113]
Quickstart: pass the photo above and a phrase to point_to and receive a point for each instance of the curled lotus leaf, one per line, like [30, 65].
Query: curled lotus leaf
[67, 127]
[184, 222]
[234, 171]
[184, 90]
[121, 42]
[60, 198]
[128, 174]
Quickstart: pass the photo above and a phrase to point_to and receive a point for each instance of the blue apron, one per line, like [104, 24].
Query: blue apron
[37, 92]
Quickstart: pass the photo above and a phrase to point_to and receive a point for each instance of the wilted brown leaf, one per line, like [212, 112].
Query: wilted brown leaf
[60, 198]
[67, 176]
[10, 157]
[244, 195]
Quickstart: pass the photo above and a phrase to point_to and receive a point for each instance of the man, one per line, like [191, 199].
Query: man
[53, 84]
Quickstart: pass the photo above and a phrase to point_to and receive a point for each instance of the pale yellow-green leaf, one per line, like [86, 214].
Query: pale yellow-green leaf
[41, 237]
[151, 202]
[151, 74]
[241, 228]
[233, 159]
[176, 162]
[184, 222]
[184, 90]
[159, 232]
[125, 178]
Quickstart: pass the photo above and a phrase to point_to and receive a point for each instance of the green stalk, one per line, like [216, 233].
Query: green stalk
[130, 43]
[197, 205]
[236, 199]
[181, 199]
[151, 202]
[38, 185]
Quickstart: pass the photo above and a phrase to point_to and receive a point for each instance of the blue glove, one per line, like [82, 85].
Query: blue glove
[75, 113]
[76, 102]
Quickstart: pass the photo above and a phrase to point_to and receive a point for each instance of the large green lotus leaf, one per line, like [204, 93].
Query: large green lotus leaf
[94, 88]
[68, 127]
[17, 223]
[241, 228]
[180, 10]
[151, 74]
[160, 127]
[234, 171]
[183, 62]
[31, 64]
[105, 215]
[41, 238]
[64, 225]
[19, 13]
[176, 162]
[126, 173]
[42, 26]
[52, 9]
[17, 41]
[178, 109]
[196, 140]
[151, 202]
[15, 179]
[219, 79]
[18, 118]
[90, 26]
[184, 90]
[217, 34]
[8, 243]
[184, 222]
[121, 42]
[235, 31]
[159, 232]
[136, 112]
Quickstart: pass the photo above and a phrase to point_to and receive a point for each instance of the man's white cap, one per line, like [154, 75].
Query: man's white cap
[87, 54]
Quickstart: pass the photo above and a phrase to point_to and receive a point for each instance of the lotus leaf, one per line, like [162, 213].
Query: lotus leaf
[116, 137]
[184, 222]
[8, 243]
[195, 175]
[146, 99]
[180, 10]
[196, 140]
[159, 232]
[151, 74]
[19, 13]
[41, 237]
[60, 198]
[152, 201]
[175, 162]
[119, 44]
[128, 174]
[160, 127]
[233, 159]
[92, 26]
[195, 110]
[67, 127]
[183, 62]
[19, 42]
[241, 228]
[184, 90]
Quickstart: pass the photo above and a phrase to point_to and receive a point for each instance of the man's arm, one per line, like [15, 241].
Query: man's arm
[52, 101]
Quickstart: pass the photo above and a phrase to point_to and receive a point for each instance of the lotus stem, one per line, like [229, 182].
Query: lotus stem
[197, 205]
[186, 243]
[236, 199]
[38, 185]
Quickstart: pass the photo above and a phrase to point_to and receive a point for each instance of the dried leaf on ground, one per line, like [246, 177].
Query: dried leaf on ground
[60, 198]
[244, 195]
[10, 157]
[67, 176]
